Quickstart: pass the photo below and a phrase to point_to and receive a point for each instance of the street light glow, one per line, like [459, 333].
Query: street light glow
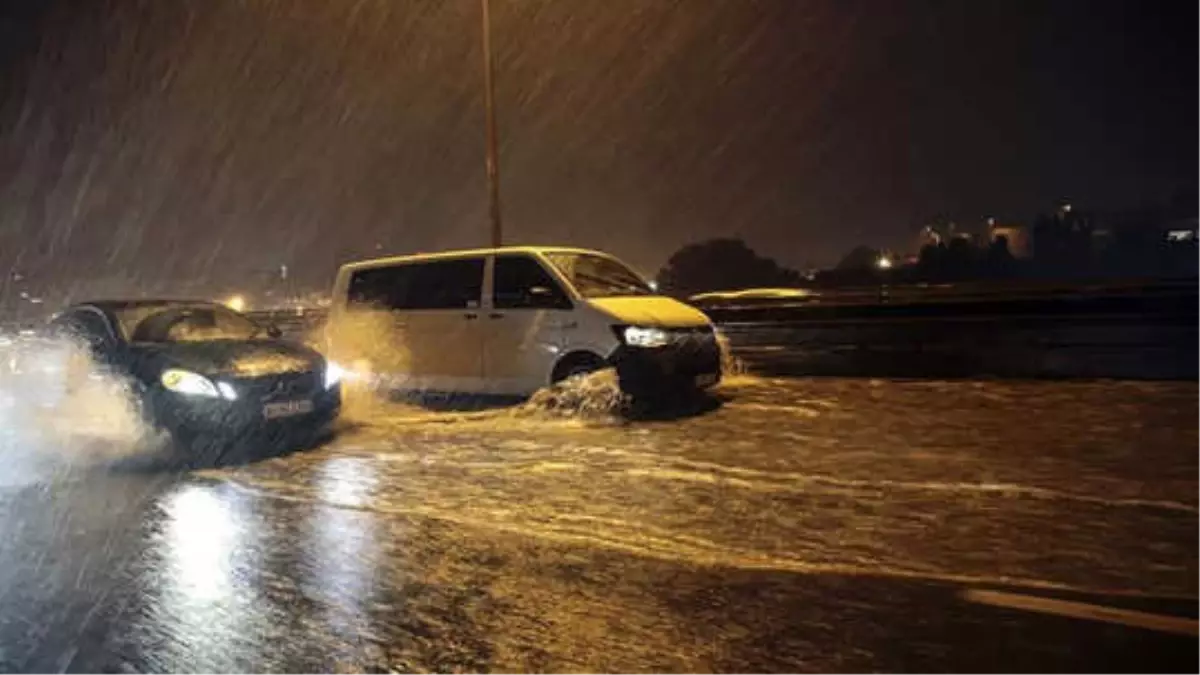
[884, 262]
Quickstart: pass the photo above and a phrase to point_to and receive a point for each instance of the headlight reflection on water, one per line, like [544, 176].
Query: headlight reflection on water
[201, 537]
[205, 596]
[346, 482]
[343, 560]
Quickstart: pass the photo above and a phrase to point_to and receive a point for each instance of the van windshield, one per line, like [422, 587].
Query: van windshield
[597, 276]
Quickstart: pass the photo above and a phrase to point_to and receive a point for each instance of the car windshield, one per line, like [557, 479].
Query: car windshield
[187, 323]
[597, 276]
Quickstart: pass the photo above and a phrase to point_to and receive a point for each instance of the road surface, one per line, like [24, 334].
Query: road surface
[791, 525]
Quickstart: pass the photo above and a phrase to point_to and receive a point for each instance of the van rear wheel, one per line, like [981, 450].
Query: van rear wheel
[576, 365]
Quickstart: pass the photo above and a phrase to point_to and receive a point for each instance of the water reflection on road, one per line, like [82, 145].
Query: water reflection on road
[823, 524]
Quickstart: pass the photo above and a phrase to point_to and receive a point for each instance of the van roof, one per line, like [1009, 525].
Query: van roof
[465, 253]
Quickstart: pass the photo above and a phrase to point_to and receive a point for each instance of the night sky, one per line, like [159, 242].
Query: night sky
[167, 141]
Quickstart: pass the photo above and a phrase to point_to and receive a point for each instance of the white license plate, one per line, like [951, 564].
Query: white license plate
[706, 380]
[287, 409]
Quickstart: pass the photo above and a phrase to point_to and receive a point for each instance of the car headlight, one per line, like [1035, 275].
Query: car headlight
[333, 374]
[189, 383]
[640, 336]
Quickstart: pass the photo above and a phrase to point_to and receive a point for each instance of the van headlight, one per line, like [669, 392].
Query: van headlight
[641, 336]
[188, 383]
[333, 374]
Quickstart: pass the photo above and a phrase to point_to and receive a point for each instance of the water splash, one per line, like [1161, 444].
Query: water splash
[734, 371]
[731, 366]
[595, 396]
[55, 400]
[367, 342]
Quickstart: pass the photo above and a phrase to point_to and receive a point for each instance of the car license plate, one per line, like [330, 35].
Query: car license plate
[287, 409]
[706, 380]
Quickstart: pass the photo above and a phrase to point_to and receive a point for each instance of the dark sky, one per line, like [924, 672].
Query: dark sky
[158, 140]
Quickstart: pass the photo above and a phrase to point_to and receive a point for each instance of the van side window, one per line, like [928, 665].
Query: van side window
[440, 284]
[520, 282]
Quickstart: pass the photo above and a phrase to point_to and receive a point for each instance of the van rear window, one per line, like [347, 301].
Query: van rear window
[440, 284]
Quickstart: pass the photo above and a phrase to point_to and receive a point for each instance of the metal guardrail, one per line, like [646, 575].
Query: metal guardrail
[968, 293]
[1163, 303]
[293, 323]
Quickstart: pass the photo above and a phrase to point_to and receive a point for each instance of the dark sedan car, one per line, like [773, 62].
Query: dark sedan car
[206, 374]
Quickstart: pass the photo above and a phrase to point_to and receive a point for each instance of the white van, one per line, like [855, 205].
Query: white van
[512, 320]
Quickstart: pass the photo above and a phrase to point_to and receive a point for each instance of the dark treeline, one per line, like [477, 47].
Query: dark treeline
[722, 265]
[1157, 242]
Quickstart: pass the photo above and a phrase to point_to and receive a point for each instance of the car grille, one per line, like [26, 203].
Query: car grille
[282, 387]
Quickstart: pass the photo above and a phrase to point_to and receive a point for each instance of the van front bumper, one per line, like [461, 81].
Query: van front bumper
[691, 363]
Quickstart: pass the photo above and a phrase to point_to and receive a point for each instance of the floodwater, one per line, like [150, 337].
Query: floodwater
[791, 524]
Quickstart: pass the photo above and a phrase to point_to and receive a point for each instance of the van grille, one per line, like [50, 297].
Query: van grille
[700, 335]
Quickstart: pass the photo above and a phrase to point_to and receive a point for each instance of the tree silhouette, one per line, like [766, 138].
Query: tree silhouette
[859, 258]
[1062, 243]
[999, 262]
[721, 265]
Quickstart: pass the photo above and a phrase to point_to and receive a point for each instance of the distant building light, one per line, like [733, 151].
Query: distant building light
[1181, 235]
[991, 222]
[1066, 208]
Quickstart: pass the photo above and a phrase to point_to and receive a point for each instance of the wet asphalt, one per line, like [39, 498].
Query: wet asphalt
[787, 525]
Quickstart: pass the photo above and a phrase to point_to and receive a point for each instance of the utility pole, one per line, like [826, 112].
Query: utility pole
[493, 170]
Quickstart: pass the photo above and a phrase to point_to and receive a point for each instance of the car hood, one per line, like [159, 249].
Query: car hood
[651, 310]
[233, 358]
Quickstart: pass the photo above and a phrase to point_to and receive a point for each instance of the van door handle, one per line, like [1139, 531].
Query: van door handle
[470, 315]
[496, 315]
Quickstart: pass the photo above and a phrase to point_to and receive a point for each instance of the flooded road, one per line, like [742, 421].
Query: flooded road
[792, 525]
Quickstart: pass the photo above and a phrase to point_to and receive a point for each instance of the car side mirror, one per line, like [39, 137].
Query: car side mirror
[273, 332]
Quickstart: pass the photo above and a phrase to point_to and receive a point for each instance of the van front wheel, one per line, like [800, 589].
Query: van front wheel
[575, 365]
